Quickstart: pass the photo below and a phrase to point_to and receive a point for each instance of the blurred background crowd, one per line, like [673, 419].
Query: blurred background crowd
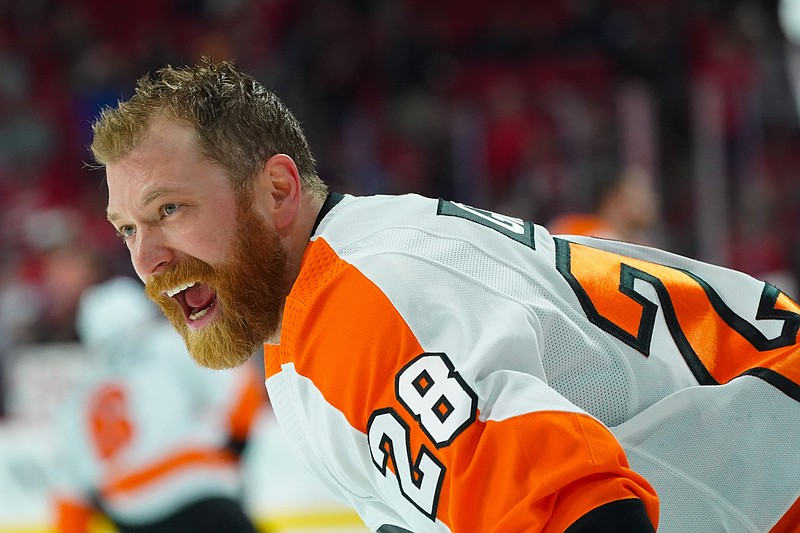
[532, 108]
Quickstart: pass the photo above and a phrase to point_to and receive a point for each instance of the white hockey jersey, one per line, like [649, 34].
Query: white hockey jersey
[446, 368]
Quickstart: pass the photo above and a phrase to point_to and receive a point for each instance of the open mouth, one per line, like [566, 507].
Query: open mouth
[195, 298]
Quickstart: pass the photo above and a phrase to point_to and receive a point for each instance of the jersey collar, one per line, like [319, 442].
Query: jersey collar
[330, 202]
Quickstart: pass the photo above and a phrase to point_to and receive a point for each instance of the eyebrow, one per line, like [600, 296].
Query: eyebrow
[149, 198]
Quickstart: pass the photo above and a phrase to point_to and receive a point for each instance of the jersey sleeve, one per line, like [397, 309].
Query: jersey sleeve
[458, 430]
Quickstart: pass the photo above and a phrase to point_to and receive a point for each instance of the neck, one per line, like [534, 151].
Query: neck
[296, 241]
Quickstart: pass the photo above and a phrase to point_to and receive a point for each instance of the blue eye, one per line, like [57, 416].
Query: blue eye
[169, 209]
[126, 232]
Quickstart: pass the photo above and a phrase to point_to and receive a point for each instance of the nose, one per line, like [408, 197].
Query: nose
[150, 253]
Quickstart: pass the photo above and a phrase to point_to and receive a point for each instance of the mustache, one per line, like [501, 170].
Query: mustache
[186, 271]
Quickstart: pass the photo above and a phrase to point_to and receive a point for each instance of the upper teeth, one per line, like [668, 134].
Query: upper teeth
[179, 288]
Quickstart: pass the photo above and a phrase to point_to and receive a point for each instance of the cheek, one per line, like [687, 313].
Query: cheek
[212, 245]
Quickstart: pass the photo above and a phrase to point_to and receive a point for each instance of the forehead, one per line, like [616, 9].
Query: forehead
[164, 144]
[168, 158]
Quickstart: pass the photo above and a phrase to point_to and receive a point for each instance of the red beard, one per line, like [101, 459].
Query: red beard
[250, 292]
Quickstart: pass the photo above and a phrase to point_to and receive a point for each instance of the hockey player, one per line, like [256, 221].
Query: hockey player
[445, 368]
[151, 441]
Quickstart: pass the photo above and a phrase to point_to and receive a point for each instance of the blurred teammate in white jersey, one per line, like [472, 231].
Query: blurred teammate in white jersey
[151, 440]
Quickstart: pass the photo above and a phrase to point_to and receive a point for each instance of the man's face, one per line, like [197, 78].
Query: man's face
[208, 258]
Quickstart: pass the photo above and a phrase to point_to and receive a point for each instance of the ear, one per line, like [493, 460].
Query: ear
[278, 190]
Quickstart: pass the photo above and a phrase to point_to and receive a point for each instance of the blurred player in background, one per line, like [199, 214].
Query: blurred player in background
[151, 441]
[444, 368]
[624, 207]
